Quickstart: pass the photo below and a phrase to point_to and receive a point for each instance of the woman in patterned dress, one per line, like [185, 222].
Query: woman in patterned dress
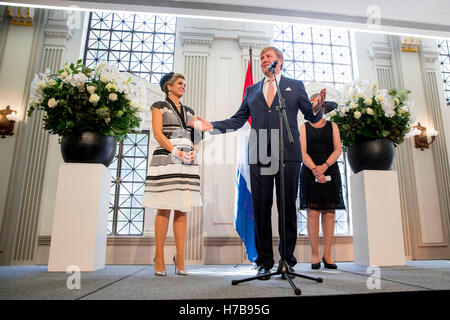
[173, 180]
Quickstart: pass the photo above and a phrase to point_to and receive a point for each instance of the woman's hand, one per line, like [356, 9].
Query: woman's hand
[188, 157]
[320, 170]
[184, 156]
[321, 179]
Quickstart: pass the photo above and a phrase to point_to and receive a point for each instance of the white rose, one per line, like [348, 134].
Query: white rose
[362, 95]
[357, 114]
[42, 85]
[103, 78]
[94, 98]
[128, 96]
[396, 101]
[64, 75]
[90, 89]
[52, 103]
[333, 113]
[112, 97]
[368, 101]
[370, 111]
[379, 98]
[51, 82]
[134, 104]
[110, 86]
[352, 105]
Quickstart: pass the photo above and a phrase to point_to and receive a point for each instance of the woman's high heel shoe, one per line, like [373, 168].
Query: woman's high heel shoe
[178, 272]
[329, 265]
[159, 273]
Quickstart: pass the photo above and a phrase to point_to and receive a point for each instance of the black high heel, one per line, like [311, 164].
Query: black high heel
[178, 272]
[315, 266]
[329, 265]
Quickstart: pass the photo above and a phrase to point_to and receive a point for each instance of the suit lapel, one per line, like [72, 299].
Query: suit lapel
[260, 93]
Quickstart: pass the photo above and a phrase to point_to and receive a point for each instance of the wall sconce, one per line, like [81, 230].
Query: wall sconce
[412, 45]
[421, 137]
[8, 118]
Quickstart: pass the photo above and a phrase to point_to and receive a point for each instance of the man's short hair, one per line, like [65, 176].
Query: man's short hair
[277, 51]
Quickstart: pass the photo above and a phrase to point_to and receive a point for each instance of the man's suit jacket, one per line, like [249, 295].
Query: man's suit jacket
[263, 117]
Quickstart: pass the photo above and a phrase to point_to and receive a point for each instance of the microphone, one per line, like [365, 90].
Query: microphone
[272, 66]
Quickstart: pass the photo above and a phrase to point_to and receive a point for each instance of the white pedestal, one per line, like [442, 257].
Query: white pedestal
[81, 217]
[377, 223]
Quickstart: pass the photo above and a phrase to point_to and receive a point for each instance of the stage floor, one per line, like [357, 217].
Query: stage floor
[137, 282]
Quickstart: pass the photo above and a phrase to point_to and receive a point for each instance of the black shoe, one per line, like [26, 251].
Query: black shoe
[315, 266]
[329, 265]
[263, 270]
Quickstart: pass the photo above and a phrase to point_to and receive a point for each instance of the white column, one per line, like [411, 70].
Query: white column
[196, 51]
[3, 31]
[387, 70]
[377, 222]
[434, 93]
[81, 217]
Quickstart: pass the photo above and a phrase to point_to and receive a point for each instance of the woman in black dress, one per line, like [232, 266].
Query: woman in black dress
[320, 183]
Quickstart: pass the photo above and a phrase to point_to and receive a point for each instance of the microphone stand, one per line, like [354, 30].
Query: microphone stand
[283, 268]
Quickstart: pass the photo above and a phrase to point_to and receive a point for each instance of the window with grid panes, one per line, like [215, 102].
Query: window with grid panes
[444, 57]
[143, 45]
[314, 54]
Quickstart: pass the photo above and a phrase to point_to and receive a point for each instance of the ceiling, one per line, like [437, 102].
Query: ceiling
[429, 18]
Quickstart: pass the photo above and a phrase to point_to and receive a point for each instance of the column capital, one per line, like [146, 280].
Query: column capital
[205, 39]
[430, 53]
[196, 43]
[57, 30]
[380, 53]
[256, 43]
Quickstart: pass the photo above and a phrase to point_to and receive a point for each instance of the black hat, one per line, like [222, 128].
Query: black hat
[165, 78]
[330, 106]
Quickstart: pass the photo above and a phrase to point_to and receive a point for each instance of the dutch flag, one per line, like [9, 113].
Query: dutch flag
[244, 221]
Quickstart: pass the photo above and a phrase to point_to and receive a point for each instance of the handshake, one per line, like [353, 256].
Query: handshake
[200, 124]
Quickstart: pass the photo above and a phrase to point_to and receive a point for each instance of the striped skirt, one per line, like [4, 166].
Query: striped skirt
[171, 184]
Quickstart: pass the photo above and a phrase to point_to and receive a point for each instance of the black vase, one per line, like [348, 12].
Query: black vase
[371, 155]
[88, 147]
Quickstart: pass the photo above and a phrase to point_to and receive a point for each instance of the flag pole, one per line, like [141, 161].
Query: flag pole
[251, 58]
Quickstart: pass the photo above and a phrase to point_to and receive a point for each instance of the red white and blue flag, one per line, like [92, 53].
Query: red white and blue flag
[244, 220]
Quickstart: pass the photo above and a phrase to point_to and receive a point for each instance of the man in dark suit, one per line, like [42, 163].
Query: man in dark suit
[260, 102]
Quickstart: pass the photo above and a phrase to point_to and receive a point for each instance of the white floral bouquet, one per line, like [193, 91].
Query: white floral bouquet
[80, 99]
[366, 113]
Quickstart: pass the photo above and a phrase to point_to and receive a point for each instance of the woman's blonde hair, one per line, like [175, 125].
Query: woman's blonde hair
[171, 82]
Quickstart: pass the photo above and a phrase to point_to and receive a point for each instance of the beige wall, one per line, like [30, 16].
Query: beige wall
[13, 75]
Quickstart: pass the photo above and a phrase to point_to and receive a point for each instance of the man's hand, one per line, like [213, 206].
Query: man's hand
[200, 124]
[317, 104]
